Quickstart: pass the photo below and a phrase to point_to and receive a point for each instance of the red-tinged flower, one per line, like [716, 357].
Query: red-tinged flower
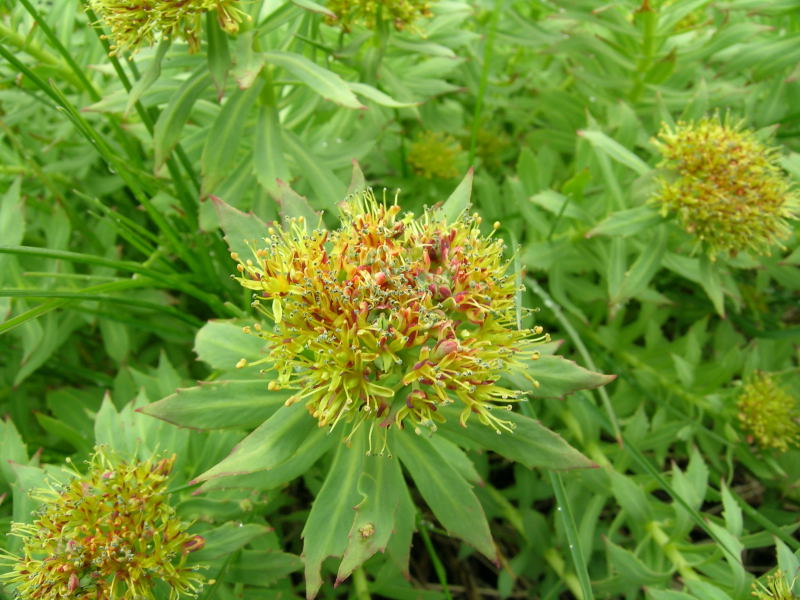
[389, 317]
[108, 534]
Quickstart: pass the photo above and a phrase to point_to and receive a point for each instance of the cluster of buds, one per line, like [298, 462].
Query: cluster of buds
[388, 318]
[108, 534]
[136, 24]
[435, 154]
[725, 187]
[769, 414]
[369, 13]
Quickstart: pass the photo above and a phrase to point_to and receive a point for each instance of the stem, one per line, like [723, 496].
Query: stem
[360, 584]
[437, 564]
[487, 61]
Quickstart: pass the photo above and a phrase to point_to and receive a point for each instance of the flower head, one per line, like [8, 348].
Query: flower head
[435, 154]
[107, 534]
[388, 318]
[769, 414]
[777, 588]
[726, 187]
[368, 13]
[135, 24]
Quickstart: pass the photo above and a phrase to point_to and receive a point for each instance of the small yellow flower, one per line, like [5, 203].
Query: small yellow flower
[435, 154]
[769, 414]
[777, 588]
[136, 24]
[368, 13]
[725, 187]
[109, 534]
[387, 318]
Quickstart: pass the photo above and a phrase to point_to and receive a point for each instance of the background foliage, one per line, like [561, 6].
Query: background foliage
[112, 259]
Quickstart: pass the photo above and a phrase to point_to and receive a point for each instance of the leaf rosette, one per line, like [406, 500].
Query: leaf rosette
[393, 343]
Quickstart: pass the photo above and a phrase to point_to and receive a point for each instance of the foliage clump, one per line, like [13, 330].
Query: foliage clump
[725, 187]
[390, 317]
[136, 25]
[369, 13]
[108, 534]
[769, 413]
[435, 154]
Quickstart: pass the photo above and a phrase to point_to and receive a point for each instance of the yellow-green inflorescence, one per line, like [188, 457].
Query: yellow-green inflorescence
[769, 414]
[777, 588]
[368, 13]
[136, 23]
[107, 534]
[390, 317]
[435, 154]
[725, 186]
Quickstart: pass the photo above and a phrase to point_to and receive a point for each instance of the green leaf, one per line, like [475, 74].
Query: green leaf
[627, 222]
[631, 497]
[712, 284]
[273, 442]
[218, 404]
[530, 444]
[615, 151]
[557, 377]
[67, 433]
[316, 443]
[262, 568]
[227, 539]
[445, 491]
[294, 206]
[705, 591]
[631, 569]
[219, 153]
[324, 82]
[732, 511]
[380, 487]
[638, 277]
[315, 8]
[12, 451]
[331, 516]
[378, 96]
[169, 125]
[12, 215]
[357, 181]
[268, 159]
[150, 76]
[328, 189]
[459, 200]
[219, 58]
[222, 344]
[239, 228]
[655, 594]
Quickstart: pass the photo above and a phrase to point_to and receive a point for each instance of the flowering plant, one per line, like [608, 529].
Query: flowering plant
[388, 338]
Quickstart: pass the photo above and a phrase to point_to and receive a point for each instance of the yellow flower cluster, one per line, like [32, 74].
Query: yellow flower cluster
[109, 534]
[725, 187]
[368, 13]
[777, 588]
[389, 317]
[769, 414]
[435, 154]
[136, 24]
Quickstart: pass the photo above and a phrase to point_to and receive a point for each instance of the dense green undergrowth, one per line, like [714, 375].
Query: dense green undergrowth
[632, 166]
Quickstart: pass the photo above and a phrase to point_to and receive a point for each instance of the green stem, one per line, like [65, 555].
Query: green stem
[437, 564]
[484, 82]
[360, 585]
